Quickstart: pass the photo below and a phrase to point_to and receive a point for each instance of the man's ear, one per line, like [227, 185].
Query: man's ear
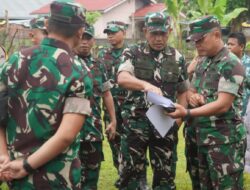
[242, 47]
[46, 23]
[217, 34]
[124, 32]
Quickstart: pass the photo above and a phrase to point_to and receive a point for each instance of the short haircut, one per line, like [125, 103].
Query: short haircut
[239, 36]
[66, 30]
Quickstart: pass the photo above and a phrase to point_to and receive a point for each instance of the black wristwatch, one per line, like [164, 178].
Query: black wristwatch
[27, 166]
[187, 116]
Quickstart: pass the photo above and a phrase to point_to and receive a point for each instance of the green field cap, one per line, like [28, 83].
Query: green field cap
[202, 26]
[67, 13]
[115, 26]
[157, 22]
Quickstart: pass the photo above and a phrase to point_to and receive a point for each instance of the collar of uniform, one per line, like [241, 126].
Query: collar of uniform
[89, 60]
[88, 57]
[221, 55]
[117, 52]
[57, 44]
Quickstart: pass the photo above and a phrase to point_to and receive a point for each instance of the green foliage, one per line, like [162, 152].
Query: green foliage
[248, 46]
[174, 8]
[217, 8]
[92, 17]
[232, 4]
[232, 15]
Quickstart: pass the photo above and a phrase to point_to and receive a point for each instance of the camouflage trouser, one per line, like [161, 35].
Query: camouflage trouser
[115, 144]
[91, 156]
[221, 166]
[191, 152]
[56, 175]
[140, 134]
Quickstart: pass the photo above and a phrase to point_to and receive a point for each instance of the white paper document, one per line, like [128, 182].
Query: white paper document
[159, 100]
[155, 113]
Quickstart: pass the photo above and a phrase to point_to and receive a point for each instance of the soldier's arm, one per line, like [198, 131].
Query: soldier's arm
[128, 81]
[76, 107]
[109, 104]
[3, 115]
[228, 88]
[70, 126]
[4, 156]
[219, 106]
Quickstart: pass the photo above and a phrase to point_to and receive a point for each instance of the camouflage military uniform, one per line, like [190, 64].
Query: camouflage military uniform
[111, 58]
[35, 113]
[166, 70]
[43, 82]
[215, 145]
[220, 139]
[91, 153]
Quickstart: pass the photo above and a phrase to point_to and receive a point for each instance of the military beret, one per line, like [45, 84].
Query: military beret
[157, 22]
[202, 26]
[115, 26]
[67, 13]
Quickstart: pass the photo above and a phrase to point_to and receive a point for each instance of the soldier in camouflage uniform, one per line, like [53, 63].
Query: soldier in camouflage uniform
[215, 127]
[47, 105]
[38, 30]
[150, 66]
[91, 153]
[111, 57]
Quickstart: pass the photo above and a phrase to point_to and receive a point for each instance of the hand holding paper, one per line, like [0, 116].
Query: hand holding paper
[155, 113]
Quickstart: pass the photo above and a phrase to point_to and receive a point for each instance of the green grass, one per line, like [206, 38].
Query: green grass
[108, 174]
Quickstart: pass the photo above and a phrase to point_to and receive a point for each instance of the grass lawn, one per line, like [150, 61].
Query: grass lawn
[108, 174]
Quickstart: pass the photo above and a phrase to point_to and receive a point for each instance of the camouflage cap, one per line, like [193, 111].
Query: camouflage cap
[67, 13]
[38, 23]
[157, 22]
[90, 30]
[202, 26]
[115, 26]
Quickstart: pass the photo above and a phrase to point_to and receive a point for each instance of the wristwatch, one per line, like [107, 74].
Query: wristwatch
[27, 166]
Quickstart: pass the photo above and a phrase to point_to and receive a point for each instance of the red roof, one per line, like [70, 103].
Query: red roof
[93, 5]
[150, 8]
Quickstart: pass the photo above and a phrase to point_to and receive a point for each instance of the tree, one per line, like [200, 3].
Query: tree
[92, 17]
[217, 8]
[174, 8]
